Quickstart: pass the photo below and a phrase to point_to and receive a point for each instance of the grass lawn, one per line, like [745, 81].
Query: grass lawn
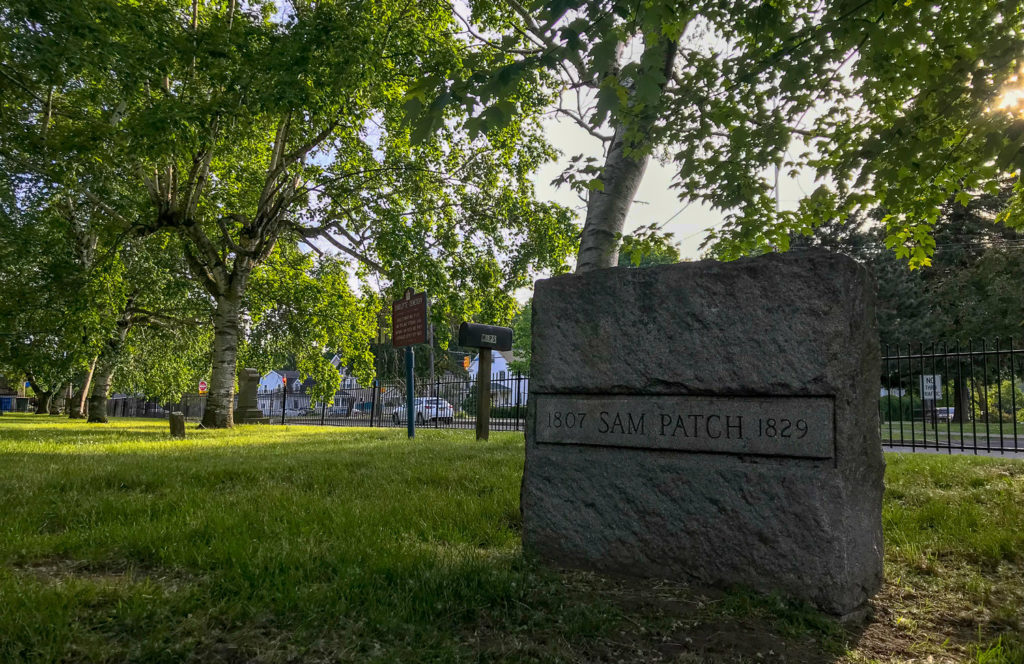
[299, 544]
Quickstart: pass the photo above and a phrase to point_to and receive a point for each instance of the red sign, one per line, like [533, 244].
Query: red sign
[203, 387]
[409, 320]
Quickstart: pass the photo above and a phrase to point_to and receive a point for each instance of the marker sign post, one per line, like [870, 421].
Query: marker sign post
[484, 338]
[203, 387]
[408, 328]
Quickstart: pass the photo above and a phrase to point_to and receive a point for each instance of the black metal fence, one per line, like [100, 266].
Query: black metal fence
[447, 403]
[953, 397]
[192, 405]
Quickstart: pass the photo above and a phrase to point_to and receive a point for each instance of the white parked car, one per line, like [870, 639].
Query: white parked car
[428, 409]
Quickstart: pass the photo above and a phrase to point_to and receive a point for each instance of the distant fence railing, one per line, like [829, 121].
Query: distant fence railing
[958, 396]
[445, 403]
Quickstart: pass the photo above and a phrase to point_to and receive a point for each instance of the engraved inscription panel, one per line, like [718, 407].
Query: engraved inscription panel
[779, 426]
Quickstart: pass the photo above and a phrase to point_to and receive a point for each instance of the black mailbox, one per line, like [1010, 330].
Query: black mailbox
[474, 335]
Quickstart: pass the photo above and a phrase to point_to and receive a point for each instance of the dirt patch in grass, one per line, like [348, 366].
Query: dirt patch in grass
[56, 570]
[948, 617]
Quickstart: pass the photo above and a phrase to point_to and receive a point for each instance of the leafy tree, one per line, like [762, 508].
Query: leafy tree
[648, 246]
[522, 339]
[242, 129]
[303, 311]
[891, 104]
[46, 333]
[970, 290]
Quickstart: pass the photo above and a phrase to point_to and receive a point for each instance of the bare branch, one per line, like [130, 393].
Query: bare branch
[578, 119]
[358, 255]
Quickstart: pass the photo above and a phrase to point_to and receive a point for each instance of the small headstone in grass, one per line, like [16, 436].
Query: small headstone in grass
[716, 421]
[177, 421]
[248, 411]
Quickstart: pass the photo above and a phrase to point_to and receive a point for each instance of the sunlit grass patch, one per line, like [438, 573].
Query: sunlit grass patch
[275, 544]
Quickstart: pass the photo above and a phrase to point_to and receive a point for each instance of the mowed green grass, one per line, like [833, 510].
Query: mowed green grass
[282, 544]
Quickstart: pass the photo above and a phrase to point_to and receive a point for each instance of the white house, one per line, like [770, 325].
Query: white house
[273, 381]
[269, 398]
[507, 388]
[348, 381]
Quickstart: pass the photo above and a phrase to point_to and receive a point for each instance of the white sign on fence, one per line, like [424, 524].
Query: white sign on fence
[931, 387]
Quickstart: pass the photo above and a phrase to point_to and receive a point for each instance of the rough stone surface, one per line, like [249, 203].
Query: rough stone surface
[177, 421]
[769, 328]
[248, 411]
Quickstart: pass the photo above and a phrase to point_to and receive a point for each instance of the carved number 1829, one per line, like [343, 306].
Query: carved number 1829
[781, 428]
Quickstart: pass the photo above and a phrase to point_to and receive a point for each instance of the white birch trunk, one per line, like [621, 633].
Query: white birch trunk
[220, 400]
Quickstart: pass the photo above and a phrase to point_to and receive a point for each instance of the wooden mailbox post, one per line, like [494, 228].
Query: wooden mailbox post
[485, 338]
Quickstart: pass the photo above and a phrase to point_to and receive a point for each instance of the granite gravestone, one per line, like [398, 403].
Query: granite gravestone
[711, 421]
[248, 411]
[177, 423]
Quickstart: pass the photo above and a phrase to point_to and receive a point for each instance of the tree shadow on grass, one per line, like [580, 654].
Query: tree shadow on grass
[331, 545]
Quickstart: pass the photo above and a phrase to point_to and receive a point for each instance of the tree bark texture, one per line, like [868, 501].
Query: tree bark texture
[220, 399]
[102, 378]
[623, 171]
[59, 402]
[962, 398]
[78, 408]
[75, 409]
[606, 210]
[103, 373]
[43, 402]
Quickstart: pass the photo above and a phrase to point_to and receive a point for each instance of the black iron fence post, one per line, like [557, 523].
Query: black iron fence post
[373, 402]
[284, 400]
[519, 396]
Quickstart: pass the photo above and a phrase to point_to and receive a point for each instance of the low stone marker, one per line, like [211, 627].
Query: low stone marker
[248, 411]
[177, 421]
[716, 422]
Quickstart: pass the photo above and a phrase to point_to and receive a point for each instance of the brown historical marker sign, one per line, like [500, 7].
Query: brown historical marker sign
[409, 320]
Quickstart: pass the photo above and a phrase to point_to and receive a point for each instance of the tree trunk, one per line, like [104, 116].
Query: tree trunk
[623, 170]
[962, 397]
[60, 400]
[78, 409]
[220, 399]
[75, 409]
[606, 210]
[103, 373]
[43, 402]
[102, 377]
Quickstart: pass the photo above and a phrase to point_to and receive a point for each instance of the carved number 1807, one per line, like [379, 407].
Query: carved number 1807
[557, 419]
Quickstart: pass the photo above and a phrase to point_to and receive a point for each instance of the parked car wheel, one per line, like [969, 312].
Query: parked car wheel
[419, 419]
